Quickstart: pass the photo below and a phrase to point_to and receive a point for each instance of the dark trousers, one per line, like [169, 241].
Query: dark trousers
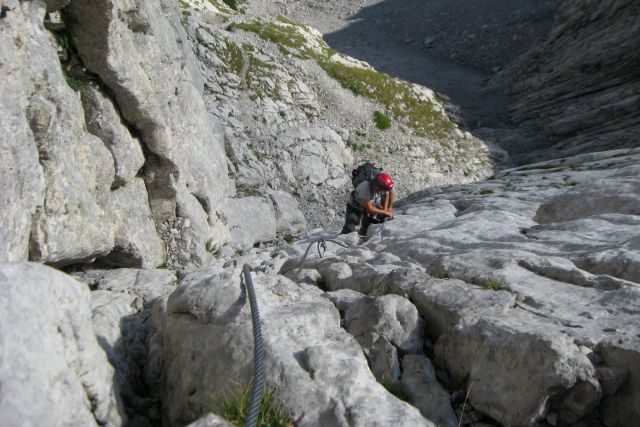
[354, 216]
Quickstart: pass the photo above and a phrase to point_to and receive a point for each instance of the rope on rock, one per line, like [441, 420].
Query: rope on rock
[258, 352]
[322, 244]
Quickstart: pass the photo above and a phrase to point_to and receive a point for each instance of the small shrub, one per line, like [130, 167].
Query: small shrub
[492, 284]
[379, 290]
[211, 247]
[382, 120]
[486, 191]
[74, 83]
[289, 238]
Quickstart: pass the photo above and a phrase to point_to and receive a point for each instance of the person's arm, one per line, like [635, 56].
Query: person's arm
[388, 201]
[372, 210]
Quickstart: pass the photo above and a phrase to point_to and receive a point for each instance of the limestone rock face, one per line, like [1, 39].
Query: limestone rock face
[617, 195]
[120, 304]
[104, 122]
[291, 125]
[53, 370]
[511, 296]
[318, 370]
[251, 220]
[289, 217]
[185, 170]
[71, 213]
[579, 85]
[136, 241]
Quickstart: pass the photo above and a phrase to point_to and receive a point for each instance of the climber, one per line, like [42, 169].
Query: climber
[370, 202]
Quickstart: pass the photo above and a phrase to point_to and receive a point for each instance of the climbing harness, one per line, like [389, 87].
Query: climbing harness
[258, 353]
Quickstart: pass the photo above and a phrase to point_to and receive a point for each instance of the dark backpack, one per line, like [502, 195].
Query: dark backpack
[364, 172]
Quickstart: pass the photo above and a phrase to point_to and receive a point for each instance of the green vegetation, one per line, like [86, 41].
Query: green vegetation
[235, 409]
[323, 282]
[357, 147]
[248, 191]
[257, 73]
[211, 247]
[486, 191]
[403, 103]
[492, 284]
[415, 110]
[284, 35]
[379, 290]
[289, 238]
[74, 83]
[394, 388]
[381, 120]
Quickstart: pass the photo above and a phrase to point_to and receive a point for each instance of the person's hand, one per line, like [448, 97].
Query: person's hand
[390, 216]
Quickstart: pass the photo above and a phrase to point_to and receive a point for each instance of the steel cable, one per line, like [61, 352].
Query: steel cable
[258, 352]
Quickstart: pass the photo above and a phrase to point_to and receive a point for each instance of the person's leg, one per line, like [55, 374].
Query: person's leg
[365, 225]
[352, 219]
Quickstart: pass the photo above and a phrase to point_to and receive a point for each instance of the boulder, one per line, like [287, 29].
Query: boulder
[390, 316]
[251, 220]
[136, 243]
[289, 217]
[621, 408]
[211, 420]
[53, 370]
[501, 355]
[420, 384]
[317, 370]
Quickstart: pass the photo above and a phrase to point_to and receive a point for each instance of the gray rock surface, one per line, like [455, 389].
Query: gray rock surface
[53, 371]
[121, 303]
[419, 382]
[158, 94]
[104, 121]
[317, 370]
[505, 297]
[211, 420]
[251, 220]
[289, 217]
[579, 85]
[136, 243]
[68, 219]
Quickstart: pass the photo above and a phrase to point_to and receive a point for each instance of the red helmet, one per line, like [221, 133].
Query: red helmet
[384, 180]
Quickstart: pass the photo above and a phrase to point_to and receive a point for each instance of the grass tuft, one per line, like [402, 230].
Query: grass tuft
[382, 120]
[486, 191]
[235, 407]
[492, 284]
